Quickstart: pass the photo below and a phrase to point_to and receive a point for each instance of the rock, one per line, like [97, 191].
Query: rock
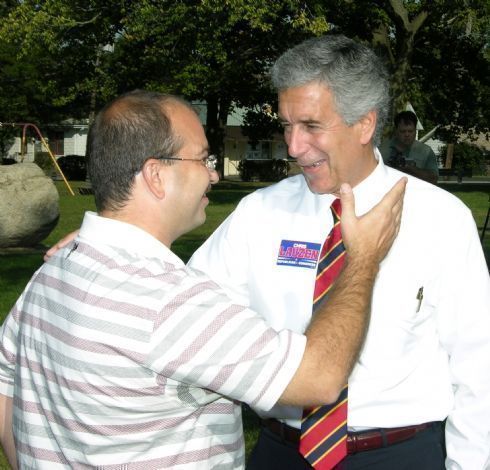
[29, 205]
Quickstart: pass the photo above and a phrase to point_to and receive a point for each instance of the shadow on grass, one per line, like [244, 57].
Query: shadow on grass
[465, 187]
[230, 192]
[241, 185]
[185, 246]
[251, 428]
[15, 272]
[223, 196]
[18, 268]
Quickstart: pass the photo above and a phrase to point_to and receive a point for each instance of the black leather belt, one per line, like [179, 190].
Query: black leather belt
[356, 442]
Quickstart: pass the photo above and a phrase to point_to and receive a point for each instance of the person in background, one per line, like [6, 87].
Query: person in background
[118, 356]
[406, 154]
[419, 395]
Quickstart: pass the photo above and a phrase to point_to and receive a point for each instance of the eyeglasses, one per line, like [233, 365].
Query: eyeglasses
[209, 162]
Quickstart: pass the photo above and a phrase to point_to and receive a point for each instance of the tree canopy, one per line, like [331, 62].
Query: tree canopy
[437, 52]
[66, 58]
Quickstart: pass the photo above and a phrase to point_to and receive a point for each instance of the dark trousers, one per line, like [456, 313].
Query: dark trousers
[425, 451]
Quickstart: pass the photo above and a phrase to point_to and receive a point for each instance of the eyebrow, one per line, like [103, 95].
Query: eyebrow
[203, 150]
[301, 121]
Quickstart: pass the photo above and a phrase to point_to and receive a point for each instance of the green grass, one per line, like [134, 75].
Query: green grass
[477, 199]
[16, 268]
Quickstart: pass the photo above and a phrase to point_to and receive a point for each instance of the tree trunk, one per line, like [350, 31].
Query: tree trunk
[217, 114]
[406, 30]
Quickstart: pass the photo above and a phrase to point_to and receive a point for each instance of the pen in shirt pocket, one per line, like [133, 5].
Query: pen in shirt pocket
[420, 296]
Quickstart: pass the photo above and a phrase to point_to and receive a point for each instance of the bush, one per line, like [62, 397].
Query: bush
[263, 170]
[74, 167]
[43, 161]
[468, 157]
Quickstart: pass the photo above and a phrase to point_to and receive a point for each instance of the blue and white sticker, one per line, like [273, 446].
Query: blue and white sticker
[302, 254]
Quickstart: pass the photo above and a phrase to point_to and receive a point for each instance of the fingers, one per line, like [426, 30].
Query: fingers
[372, 234]
[394, 197]
[391, 207]
[347, 201]
[398, 191]
[50, 252]
[60, 244]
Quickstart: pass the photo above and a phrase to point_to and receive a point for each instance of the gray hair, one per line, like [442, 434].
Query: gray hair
[353, 73]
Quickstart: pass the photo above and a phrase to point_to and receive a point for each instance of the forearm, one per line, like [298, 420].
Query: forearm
[6, 435]
[334, 337]
[338, 328]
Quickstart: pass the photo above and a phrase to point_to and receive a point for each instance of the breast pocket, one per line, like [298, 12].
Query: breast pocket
[402, 313]
[416, 305]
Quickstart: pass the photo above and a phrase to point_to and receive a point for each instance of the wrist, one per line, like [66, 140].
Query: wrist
[365, 264]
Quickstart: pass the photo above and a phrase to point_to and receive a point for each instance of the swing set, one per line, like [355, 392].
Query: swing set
[23, 147]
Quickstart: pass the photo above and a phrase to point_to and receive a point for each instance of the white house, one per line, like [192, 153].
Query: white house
[70, 138]
[67, 138]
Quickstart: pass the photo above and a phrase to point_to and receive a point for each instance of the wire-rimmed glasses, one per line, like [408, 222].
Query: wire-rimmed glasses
[209, 162]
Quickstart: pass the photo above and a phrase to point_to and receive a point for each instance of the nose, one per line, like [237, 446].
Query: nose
[296, 141]
[213, 176]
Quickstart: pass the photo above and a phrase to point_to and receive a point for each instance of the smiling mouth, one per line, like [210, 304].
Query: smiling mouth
[312, 165]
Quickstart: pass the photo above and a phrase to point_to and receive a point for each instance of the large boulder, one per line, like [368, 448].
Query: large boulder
[29, 205]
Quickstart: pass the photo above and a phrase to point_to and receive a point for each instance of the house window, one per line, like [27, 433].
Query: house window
[56, 140]
[258, 151]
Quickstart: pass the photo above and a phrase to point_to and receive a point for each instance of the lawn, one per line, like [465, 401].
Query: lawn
[16, 267]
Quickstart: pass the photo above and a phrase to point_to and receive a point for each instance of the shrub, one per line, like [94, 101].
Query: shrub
[468, 157]
[263, 170]
[43, 161]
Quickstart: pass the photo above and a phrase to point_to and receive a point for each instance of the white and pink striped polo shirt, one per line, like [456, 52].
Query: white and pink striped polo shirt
[118, 356]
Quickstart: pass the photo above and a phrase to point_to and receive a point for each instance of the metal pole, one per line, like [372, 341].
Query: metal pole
[55, 163]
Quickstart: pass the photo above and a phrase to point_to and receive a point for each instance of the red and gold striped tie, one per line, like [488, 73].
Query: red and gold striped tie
[324, 429]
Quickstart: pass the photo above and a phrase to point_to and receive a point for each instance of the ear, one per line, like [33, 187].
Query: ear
[367, 127]
[153, 175]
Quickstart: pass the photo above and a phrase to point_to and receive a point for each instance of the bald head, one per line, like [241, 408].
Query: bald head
[125, 133]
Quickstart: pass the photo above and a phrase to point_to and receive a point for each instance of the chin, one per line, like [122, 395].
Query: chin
[320, 187]
[201, 219]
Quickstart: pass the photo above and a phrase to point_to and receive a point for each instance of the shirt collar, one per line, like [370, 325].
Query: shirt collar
[372, 188]
[128, 237]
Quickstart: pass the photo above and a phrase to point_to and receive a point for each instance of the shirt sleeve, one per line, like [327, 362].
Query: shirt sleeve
[207, 341]
[8, 350]
[431, 162]
[9, 343]
[224, 255]
[464, 327]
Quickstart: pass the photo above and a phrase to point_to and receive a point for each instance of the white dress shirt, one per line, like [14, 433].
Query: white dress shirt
[422, 360]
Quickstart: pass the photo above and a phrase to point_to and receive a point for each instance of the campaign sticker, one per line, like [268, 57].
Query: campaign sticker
[294, 253]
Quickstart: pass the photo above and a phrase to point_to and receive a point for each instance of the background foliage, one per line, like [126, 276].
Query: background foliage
[65, 58]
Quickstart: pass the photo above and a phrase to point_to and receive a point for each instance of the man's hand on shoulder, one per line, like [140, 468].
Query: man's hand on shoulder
[60, 244]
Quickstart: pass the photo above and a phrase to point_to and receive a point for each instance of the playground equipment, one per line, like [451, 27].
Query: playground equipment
[25, 126]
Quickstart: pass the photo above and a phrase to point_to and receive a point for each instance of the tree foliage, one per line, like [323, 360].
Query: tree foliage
[66, 58]
[210, 50]
[468, 156]
[54, 50]
[437, 52]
